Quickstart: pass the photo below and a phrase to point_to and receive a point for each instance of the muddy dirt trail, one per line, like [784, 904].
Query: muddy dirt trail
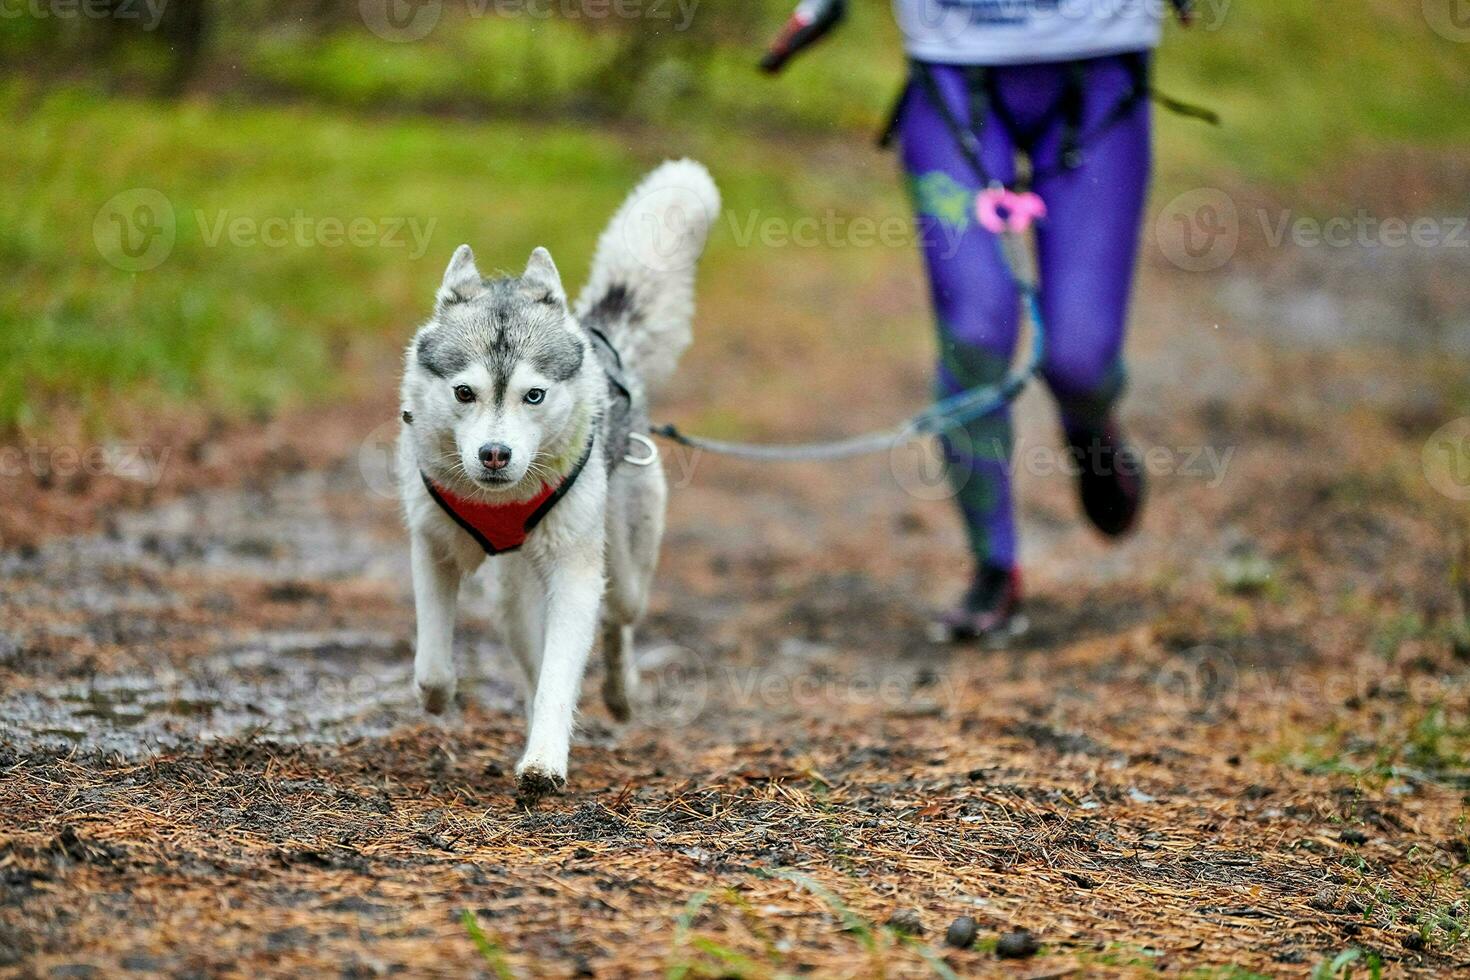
[1234, 738]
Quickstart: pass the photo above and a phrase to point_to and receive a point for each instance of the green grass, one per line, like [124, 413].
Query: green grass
[488, 948]
[1346, 964]
[1426, 743]
[239, 323]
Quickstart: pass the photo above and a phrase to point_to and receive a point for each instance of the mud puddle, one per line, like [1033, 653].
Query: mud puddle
[282, 614]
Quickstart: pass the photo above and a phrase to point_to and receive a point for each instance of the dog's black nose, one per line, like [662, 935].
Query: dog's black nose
[495, 455]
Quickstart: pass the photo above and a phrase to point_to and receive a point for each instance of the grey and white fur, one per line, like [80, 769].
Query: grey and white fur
[502, 389]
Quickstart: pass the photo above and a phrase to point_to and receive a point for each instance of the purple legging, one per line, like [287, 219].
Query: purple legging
[1087, 250]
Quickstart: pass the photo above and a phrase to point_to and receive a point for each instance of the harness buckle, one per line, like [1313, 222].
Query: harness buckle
[648, 444]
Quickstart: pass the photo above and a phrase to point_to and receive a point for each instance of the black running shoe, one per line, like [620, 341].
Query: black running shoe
[989, 612]
[1109, 479]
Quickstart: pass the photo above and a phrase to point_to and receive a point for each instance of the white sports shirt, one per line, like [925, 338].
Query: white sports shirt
[1003, 32]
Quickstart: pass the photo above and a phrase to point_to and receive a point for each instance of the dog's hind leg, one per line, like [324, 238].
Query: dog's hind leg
[620, 682]
[436, 581]
[636, 498]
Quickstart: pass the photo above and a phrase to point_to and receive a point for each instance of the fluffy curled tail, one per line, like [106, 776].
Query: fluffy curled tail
[641, 291]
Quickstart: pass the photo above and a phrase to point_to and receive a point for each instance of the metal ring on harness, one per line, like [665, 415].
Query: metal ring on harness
[647, 444]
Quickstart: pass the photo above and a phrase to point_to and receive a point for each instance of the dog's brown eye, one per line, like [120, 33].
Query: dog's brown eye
[464, 393]
[535, 396]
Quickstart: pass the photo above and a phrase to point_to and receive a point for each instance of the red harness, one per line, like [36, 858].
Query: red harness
[504, 527]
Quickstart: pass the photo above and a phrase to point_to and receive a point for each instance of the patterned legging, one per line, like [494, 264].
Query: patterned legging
[1087, 251]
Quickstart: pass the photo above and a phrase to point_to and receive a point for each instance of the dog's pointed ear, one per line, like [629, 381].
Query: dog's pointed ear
[541, 276]
[461, 279]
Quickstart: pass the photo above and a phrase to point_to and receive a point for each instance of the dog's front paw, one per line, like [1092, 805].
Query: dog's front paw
[435, 696]
[535, 780]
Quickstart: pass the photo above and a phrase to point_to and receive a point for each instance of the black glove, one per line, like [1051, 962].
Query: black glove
[808, 25]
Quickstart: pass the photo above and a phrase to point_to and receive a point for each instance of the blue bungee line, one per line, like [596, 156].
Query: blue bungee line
[943, 415]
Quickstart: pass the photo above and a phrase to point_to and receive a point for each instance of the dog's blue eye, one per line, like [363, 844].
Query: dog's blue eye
[464, 393]
[535, 396]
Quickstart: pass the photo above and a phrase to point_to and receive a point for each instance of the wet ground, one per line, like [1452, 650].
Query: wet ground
[1239, 737]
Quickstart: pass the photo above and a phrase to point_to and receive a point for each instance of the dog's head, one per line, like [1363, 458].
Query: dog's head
[493, 379]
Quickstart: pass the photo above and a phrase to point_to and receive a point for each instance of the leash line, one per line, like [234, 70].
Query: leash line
[947, 413]
[938, 418]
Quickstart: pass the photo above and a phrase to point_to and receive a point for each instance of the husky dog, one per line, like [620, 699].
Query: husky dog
[521, 440]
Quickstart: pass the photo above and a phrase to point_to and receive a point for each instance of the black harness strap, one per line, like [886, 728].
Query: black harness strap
[540, 513]
[614, 373]
[895, 114]
[963, 136]
[1072, 108]
[980, 82]
[977, 83]
[1138, 92]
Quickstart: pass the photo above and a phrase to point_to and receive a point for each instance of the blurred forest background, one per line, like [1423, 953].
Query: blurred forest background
[512, 124]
